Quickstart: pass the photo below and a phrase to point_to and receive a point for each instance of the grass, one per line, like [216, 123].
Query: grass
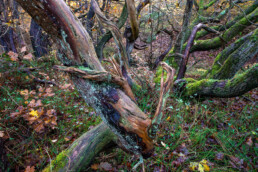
[193, 130]
[25, 146]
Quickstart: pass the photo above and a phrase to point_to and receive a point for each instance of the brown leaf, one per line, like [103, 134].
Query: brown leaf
[28, 56]
[30, 169]
[13, 56]
[105, 166]
[32, 103]
[94, 166]
[1, 134]
[249, 141]
[39, 128]
[51, 112]
[41, 89]
[38, 103]
[53, 120]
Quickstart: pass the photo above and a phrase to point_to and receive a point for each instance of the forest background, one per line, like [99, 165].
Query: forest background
[189, 69]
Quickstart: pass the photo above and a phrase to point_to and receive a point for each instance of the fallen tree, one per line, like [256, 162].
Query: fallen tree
[109, 94]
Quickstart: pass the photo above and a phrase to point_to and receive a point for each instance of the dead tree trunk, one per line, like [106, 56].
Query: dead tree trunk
[109, 94]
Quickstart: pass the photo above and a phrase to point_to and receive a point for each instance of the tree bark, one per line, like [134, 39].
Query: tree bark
[236, 86]
[108, 35]
[116, 108]
[203, 45]
[39, 40]
[80, 154]
[238, 58]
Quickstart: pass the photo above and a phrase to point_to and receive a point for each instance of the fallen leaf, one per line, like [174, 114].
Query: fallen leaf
[38, 103]
[200, 167]
[30, 169]
[28, 56]
[1, 134]
[94, 166]
[32, 103]
[13, 56]
[34, 113]
[23, 49]
[205, 165]
[249, 141]
[39, 128]
[105, 166]
[193, 166]
[24, 92]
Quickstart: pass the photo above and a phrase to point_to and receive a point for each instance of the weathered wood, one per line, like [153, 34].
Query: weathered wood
[117, 110]
[83, 150]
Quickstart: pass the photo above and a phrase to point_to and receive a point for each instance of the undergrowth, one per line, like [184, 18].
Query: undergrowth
[220, 134]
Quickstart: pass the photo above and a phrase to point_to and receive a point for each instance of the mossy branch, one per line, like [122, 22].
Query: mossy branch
[236, 86]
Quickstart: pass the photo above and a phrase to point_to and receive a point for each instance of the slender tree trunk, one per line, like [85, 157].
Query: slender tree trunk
[39, 40]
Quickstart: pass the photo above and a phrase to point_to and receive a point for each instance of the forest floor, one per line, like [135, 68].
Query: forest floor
[39, 119]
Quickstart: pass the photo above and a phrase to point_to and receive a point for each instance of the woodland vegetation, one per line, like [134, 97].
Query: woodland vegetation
[134, 85]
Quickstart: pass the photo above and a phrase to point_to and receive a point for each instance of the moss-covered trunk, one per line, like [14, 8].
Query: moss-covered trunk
[80, 154]
[203, 45]
[236, 86]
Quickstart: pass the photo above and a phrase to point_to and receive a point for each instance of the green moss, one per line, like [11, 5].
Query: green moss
[193, 87]
[59, 162]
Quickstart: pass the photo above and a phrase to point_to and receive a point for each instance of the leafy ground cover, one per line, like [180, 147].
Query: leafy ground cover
[41, 114]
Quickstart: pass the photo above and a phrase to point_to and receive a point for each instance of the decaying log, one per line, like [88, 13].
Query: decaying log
[117, 109]
[80, 154]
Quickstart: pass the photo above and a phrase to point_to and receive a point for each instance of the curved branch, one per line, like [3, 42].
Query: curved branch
[133, 20]
[236, 86]
[202, 45]
[230, 23]
[108, 35]
[184, 61]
